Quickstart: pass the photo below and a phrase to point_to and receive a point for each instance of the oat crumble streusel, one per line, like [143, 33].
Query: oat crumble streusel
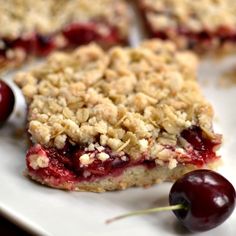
[133, 100]
[21, 17]
[193, 15]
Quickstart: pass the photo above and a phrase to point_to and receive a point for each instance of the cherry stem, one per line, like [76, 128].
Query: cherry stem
[148, 211]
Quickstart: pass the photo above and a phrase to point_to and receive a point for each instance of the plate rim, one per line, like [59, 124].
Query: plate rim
[22, 222]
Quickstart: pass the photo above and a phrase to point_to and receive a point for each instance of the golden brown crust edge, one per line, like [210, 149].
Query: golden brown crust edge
[137, 176]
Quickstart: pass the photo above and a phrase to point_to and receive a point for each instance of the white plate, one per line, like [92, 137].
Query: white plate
[54, 212]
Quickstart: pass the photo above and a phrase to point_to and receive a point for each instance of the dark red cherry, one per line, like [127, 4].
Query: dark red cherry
[208, 197]
[80, 33]
[2, 53]
[200, 199]
[27, 43]
[7, 101]
[45, 45]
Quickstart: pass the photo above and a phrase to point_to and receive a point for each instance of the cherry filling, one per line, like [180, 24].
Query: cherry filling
[74, 34]
[65, 164]
[2, 53]
[202, 148]
[45, 45]
[31, 44]
[78, 34]
[204, 38]
[36, 44]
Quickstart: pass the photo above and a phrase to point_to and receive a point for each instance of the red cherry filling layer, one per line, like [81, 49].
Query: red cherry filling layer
[65, 164]
[203, 38]
[31, 44]
[202, 149]
[75, 34]
[78, 34]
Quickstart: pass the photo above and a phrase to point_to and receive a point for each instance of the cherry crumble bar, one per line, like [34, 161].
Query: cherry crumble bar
[30, 27]
[206, 26]
[103, 121]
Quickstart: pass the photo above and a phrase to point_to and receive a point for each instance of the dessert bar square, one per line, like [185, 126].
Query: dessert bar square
[36, 28]
[206, 26]
[103, 121]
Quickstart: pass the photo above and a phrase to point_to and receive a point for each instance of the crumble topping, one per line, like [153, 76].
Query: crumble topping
[103, 156]
[143, 143]
[38, 161]
[194, 15]
[133, 100]
[19, 17]
[172, 164]
[85, 159]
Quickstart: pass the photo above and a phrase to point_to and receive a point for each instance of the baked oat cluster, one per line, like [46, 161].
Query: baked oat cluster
[192, 15]
[132, 100]
[19, 17]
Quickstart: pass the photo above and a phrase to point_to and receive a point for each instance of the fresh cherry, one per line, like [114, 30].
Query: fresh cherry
[201, 200]
[7, 101]
[208, 197]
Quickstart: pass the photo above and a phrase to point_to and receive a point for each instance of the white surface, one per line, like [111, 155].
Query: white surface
[55, 212]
